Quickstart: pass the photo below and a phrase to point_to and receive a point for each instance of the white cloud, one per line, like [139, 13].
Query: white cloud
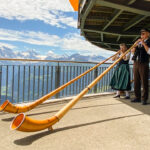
[7, 45]
[37, 38]
[42, 57]
[49, 11]
[70, 42]
[77, 43]
[54, 55]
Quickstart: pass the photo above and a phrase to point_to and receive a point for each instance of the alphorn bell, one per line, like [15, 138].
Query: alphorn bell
[26, 124]
[9, 107]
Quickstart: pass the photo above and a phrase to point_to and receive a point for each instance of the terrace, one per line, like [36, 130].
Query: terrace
[95, 121]
[98, 122]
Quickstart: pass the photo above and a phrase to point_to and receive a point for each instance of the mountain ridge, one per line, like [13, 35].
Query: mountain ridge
[6, 52]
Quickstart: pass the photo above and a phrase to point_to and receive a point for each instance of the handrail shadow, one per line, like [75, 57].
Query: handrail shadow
[48, 112]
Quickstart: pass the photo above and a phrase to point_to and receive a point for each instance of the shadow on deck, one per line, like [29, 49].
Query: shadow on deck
[95, 123]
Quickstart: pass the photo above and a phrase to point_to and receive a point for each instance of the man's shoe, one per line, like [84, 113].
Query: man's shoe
[117, 96]
[136, 100]
[127, 97]
[144, 102]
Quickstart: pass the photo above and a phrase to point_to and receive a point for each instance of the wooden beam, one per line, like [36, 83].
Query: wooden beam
[112, 19]
[85, 14]
[131, 2]
[104, 32]
[102, 37]
[133, 22]
[108, 43]
[119, 36]
[122, 7]
[135, 38]
[96, 19]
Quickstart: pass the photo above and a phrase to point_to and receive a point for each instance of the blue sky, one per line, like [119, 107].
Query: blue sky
[45, 26]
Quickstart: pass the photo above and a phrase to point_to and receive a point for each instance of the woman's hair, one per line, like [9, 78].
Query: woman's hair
[123, 44]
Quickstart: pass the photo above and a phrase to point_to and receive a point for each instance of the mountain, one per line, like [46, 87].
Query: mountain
[6, 52]
[79, 57]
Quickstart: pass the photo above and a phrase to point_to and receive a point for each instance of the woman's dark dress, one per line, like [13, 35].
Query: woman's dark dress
[121, 77]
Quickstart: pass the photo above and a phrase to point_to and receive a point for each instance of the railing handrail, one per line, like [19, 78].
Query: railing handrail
[56, 61]
[40, 60]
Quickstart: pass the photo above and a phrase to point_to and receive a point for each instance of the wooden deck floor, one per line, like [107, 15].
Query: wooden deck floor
[97, 123]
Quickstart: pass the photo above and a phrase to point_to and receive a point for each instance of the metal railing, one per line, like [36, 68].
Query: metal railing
[28, 82]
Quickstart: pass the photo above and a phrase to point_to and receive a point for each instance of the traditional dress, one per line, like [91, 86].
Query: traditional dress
[121, 77]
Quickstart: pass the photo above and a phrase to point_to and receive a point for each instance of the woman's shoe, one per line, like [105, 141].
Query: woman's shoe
[117, 96]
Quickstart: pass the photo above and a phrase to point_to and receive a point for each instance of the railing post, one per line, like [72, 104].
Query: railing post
[0, 84]
[95, 76]
[57, 79]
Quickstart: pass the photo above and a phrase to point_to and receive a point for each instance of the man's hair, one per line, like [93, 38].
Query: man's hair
[145, 30]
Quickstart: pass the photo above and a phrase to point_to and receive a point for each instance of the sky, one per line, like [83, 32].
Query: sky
[44, 26]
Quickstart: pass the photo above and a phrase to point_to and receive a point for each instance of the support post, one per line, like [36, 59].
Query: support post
[95, 76]
[57, 79]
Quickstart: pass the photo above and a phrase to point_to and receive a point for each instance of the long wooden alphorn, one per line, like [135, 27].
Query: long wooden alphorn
[26, 124]
[9, 107]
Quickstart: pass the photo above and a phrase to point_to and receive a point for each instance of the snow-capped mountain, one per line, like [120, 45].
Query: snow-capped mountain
[6, 52]
[79, 57]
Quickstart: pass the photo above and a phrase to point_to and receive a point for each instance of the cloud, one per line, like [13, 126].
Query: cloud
[7, 45]
[77, 43]
[54, 55]
[30, 37]
[49, 11]
[71, 42]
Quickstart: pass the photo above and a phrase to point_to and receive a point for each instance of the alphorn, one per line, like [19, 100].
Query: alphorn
[9, 107]
[23, 123]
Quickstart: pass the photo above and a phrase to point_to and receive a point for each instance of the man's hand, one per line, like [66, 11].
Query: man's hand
[136, 43]
[142, 42]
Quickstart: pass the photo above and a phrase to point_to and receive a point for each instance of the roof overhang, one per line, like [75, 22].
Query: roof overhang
[107, 23]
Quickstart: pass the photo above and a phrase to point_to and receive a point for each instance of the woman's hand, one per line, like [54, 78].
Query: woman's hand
[116, 56]
[124, 57]
[120, 52]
